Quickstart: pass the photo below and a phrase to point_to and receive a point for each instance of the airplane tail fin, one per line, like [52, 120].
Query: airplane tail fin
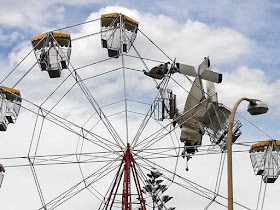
[204, 71]
[186, 69]
[211, 76]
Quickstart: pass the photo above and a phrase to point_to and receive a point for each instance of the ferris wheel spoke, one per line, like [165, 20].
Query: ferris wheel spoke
[81, 140]
[189, 185]
[71, 194]
[68, 91]
[89, 132]
[69, 75]
[70, 126]
[145, 59]
[155, 137]
[218, 180]
[84, 184]
[122, 34]
[169, 133]
[145, 121]
[143, 177]
[37, 183]
[64, 159]
[164, 155]
[71, 159]
[97, 108]
[159, 154]
[159, 134]
[85, 134]
[78, 24]
[9, 74]
[155, 45]
[95, 105]
[101, 74]
[24, 75]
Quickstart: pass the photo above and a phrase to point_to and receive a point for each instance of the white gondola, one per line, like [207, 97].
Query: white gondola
[165, 105]
[10, 102]
[52, 51]
[266, 160]
[118, 33]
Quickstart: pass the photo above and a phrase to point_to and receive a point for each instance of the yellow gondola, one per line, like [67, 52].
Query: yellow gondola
[10, 102]
[265, 159]
[118, 33]
[52, 51]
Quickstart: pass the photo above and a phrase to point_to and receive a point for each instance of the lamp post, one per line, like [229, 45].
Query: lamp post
[255, 107]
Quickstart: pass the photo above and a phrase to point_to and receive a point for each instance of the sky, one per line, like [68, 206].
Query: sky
[241, 39]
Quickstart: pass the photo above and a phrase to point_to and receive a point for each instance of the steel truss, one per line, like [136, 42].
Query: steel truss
[126, 167]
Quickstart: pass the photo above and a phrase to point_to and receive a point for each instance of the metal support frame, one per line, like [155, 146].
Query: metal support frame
[126, 196]
[126, 167]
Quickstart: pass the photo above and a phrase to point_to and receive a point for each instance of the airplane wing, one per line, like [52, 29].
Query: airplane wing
[216, 117]
[156, 72]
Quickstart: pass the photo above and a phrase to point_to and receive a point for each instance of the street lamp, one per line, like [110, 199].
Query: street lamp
[255, 107]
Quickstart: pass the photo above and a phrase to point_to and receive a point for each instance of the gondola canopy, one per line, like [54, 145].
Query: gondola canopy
[10, 103]
[265, 159]
[52, 51]
[118, 33]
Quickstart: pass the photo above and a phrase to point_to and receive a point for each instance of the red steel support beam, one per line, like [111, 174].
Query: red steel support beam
[127, 165]
[114, 185]
[126, 197]
[139, 191]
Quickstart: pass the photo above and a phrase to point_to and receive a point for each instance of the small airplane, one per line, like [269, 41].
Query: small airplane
[202, 112]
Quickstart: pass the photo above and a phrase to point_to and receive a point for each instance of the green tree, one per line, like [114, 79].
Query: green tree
[155, 190]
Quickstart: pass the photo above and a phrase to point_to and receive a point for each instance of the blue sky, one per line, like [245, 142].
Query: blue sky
[241, 38]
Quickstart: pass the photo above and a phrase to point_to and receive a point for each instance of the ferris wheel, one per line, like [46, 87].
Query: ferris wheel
[111, 128]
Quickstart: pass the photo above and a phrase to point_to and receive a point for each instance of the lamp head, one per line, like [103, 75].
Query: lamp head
[257, 107]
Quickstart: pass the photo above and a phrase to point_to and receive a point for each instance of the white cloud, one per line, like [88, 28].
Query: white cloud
[251, 83]
[30, 15]
[9, 39]
[194, 40]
